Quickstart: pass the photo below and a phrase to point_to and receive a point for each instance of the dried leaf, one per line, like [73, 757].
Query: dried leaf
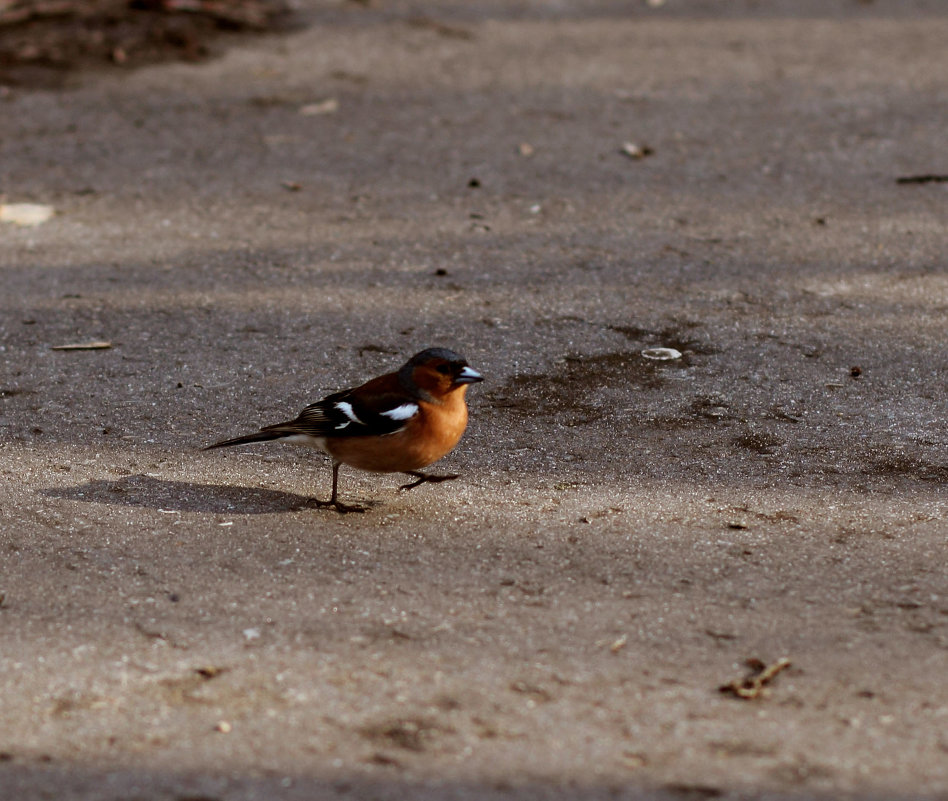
[26, 214]
[209, 671]
[661, 354]
[95, 345]
[752, 686]
[328, 106]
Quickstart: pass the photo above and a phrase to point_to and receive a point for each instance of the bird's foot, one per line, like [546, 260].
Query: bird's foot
[424, 478]
[339, 506]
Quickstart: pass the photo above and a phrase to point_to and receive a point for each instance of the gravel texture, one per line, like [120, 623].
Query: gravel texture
[309, 209]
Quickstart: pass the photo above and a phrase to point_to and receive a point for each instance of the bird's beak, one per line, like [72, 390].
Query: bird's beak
[468, 376]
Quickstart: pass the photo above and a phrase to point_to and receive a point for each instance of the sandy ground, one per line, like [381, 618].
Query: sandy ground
[253, 232]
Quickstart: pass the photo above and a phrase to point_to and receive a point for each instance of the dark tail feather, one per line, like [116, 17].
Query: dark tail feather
[260, 436]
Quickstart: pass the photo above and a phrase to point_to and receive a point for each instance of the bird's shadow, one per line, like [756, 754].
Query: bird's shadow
[184, 496]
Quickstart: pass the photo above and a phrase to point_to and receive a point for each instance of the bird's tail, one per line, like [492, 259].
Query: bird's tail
[260, 436]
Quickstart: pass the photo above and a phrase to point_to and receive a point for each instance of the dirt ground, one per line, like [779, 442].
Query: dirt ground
[308, 209]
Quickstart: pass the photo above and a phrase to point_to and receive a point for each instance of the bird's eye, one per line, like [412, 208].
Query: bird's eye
[443, 369]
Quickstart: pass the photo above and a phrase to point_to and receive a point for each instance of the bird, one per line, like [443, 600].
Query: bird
[399, 422]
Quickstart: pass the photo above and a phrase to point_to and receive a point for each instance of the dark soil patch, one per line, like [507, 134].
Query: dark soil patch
[44, 44]
[899, 466]
[581, 389]
[670, 337]
[576, 382]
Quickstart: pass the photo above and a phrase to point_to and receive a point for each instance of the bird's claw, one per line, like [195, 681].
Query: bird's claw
[339, 506]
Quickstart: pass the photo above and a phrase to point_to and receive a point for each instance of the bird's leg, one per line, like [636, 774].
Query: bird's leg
[422, 478]
[334, 501]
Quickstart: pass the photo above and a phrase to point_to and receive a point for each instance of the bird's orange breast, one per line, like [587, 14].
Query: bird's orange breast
[427, 437]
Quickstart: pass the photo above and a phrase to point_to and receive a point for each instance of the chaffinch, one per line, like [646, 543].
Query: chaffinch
[397, 423]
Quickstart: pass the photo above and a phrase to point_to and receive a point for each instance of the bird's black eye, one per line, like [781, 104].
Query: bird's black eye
[444, 369]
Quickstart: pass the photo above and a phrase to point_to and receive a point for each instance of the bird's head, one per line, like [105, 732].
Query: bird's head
[437, 372]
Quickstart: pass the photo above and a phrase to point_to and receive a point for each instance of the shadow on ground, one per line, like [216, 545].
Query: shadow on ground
[183, 496]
